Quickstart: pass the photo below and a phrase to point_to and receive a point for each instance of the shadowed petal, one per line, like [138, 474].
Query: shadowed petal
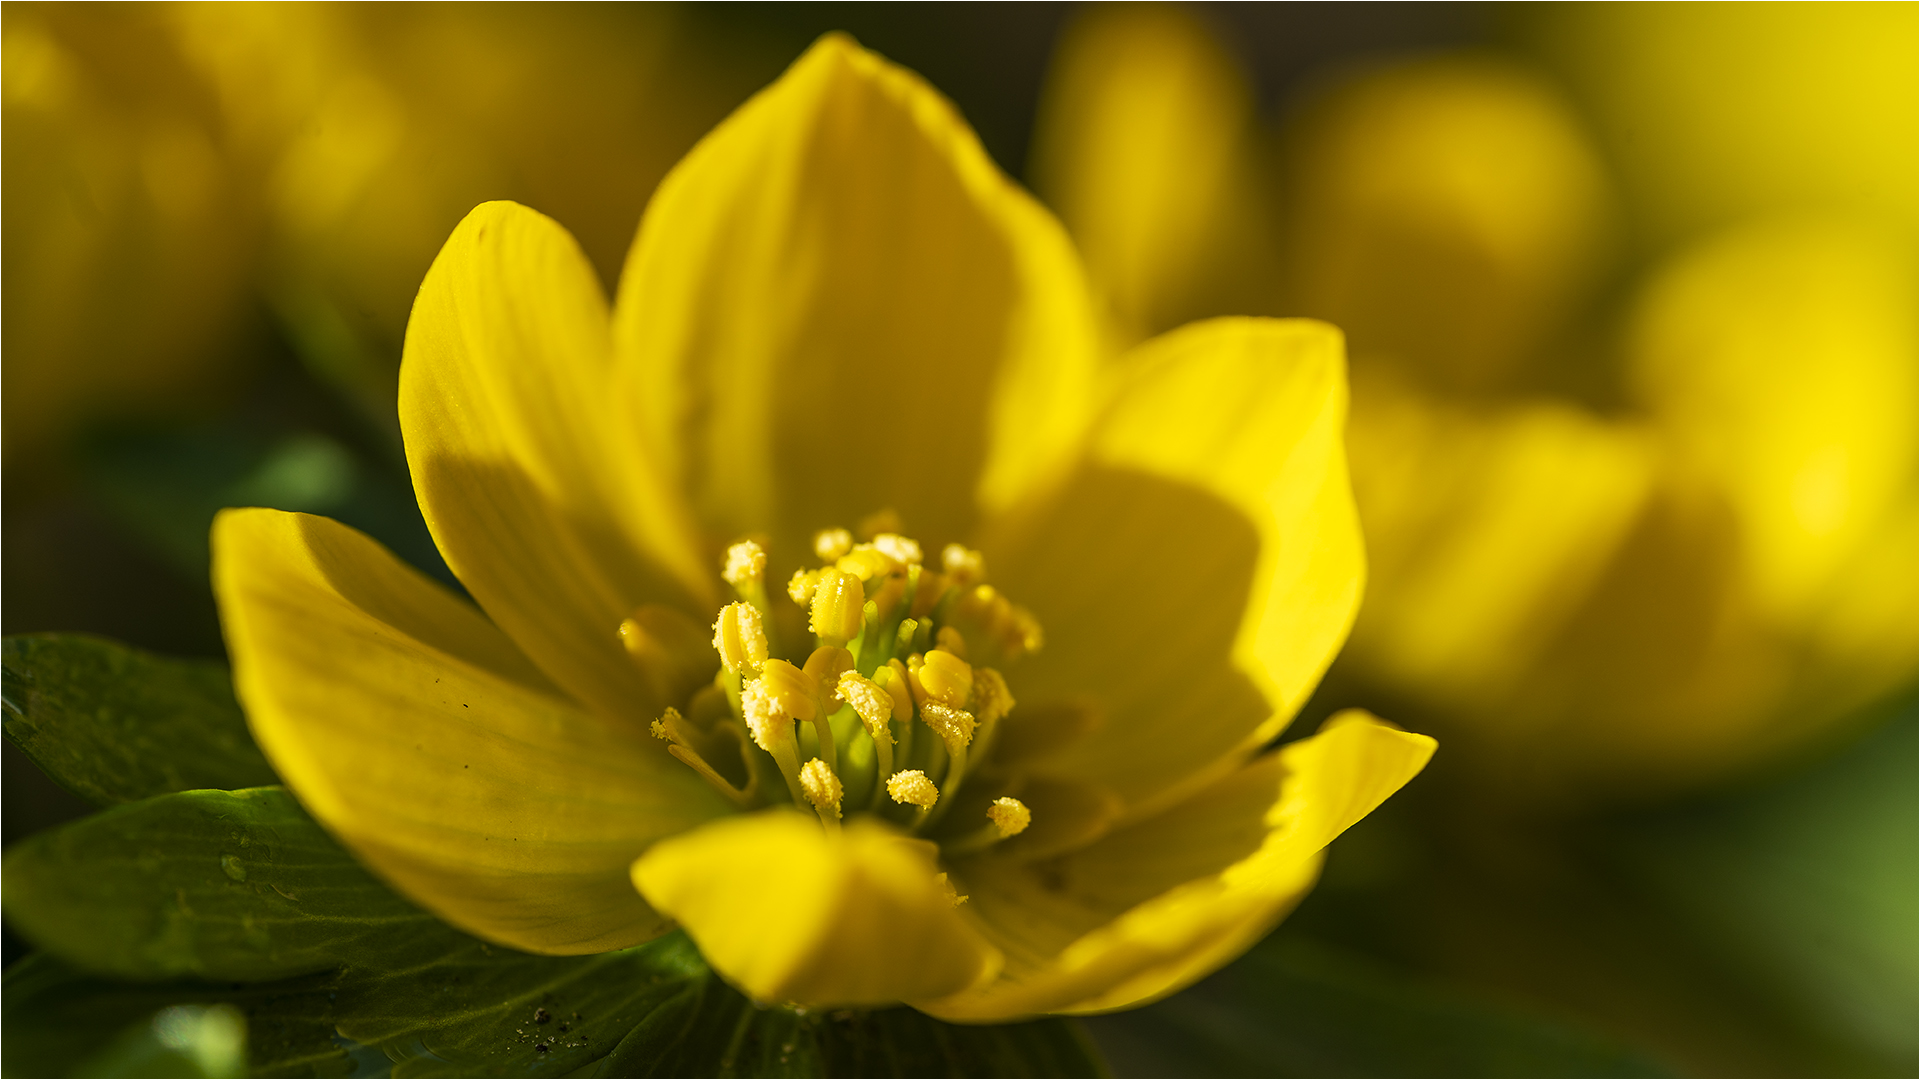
[1161, 903]
[1201, 569]
[418, 735]
[507, 399]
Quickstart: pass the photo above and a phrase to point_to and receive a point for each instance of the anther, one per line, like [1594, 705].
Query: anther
[945, 678]
[838, 607]
[874, 707]
[954, 726]
[830, 544]
[823, 789]
[867, 562]
[900, 549]
[746, 565]
[740, 638]
[964, 566]
[1010, 816]
[801, 585]
[946, 886]
[772, 729]
[1006, 817]
[949, 639]
[912, 788]
[793, 691]
[883, 521]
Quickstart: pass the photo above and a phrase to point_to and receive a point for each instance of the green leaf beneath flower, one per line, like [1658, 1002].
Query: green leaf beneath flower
[212, 884]
[244, 886]
[651, 1010]
[114, 724]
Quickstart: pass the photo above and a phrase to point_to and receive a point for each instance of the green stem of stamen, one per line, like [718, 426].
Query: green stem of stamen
[979, 840]
[950, 787]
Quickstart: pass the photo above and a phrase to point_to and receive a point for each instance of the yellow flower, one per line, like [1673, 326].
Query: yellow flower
[1708, 578]
[837, 313]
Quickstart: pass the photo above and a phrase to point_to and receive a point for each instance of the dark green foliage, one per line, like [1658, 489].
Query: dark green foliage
[1291, 1008]
[114, 724]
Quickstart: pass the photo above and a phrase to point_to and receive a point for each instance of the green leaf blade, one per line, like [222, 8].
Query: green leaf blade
[115, 724]
[203, 884]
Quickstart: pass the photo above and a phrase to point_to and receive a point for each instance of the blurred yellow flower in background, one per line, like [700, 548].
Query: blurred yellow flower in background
[191, 167]
[128, 231]
[835, 304]
[1612, 563]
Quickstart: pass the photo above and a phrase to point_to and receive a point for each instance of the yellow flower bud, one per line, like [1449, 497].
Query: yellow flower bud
[739, 638]
[838, 604]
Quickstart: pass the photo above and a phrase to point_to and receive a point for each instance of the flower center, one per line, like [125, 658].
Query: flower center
[864, 689]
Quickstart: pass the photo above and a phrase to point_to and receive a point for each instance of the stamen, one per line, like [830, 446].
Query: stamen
[949, 639]
[670, 728]
[946, 886]
[801, 585]
[772, 731]
[943, 677]
[1010, 816]
[1006, 817]
[867, 562]
[898, 548]
[740, 638]
[883, 521]
[874, 707]
[823, 673]
[964, 566]
[746, 565]
[669, 649]
[912, 788]
[955, 728]
[839, 605]
[823, 789]
[830, 544]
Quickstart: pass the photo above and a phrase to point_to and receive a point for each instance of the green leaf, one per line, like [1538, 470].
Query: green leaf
[215, 884]
[655, 1010]
[1807, 886]
[1292, 1007]
[114, 724]
[244, 886]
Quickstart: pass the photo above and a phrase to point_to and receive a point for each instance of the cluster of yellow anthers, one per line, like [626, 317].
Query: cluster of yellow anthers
[897, 646]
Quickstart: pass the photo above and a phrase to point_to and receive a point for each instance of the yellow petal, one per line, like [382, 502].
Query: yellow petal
[1161, 903]
[791, 914]
[1196, 577]
[1447, 214]
[1142, 144]
[837, 303]
[417, 733]
[556, 527]
[1780, 356]
[1486, 530]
